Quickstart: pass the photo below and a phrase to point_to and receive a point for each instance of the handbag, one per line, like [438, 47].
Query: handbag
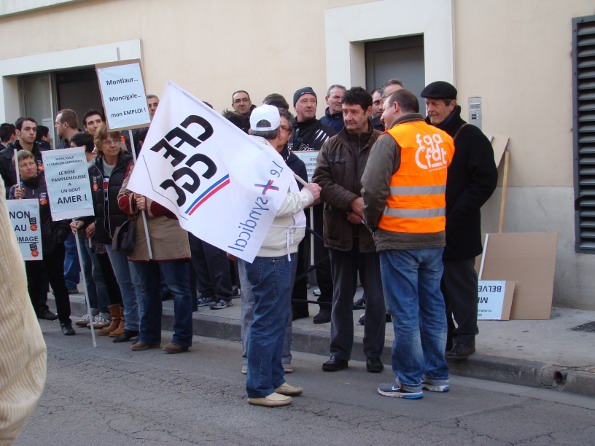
[124, 237]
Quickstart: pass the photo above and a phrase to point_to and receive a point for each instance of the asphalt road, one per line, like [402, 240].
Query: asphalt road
[111, 395]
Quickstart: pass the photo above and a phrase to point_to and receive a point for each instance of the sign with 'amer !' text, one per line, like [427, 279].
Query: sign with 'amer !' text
[67, 180]
[223, 185]
[123, 94]
[24, 218]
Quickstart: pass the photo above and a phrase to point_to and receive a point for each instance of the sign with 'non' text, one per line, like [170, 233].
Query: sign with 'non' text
[224, 186]
[67, 180]
[24, 218]
[123, 94]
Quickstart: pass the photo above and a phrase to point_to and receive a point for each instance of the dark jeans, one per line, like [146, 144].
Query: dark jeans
[113, 289]
[147, 279]
[459, 286]
[323, 267]
[96, 287]
[53, 265]
[72, 267]
[345, 266]
[211, 267]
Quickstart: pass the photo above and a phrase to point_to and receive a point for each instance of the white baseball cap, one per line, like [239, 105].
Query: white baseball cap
[265, 118]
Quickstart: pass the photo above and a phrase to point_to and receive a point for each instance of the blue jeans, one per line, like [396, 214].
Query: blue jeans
[131, 302]
[147, 279]
[411, 282]
[71, 263]
[271, 281]
[247, 299]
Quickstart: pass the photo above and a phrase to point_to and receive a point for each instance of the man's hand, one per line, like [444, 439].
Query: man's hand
[357, 207]
[353, 218]
[19, 192]
[75, 226]
[314, 190]
[90, 231]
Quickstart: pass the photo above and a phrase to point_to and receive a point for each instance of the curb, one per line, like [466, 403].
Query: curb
[493, 368]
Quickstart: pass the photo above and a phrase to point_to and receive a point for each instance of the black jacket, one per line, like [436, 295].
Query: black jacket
[472, 178]
[7, 170]
[107, 217]
[53, 233]
[309, 135]
[339, 169]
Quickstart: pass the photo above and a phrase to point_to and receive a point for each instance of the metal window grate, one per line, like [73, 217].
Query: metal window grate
[583, 46]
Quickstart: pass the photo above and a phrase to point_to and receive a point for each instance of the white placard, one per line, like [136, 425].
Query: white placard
[24, 218]
[309, 159]
[67, 180]
[223, 185]
[490, 302]
[123, 95]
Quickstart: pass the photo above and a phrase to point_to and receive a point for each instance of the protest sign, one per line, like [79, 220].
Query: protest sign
[494, 299]
[24, 218]
[123, 94]
[223, 185]
[67, 180]
[309, 158]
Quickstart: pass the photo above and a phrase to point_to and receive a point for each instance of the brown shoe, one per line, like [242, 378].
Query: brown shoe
[142, 345]
[171, 347]
[289, 390]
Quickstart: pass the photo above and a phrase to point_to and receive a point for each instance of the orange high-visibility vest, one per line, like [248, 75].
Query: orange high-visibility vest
[417, 203]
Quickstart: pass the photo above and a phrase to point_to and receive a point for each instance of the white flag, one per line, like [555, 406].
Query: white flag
[223, 186]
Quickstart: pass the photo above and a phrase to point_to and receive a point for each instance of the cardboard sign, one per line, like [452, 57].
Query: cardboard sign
[529, 259]
[309, 159]
[67, 180]
[24, 218]
[123, 95]
[494, 300]
[223, 185]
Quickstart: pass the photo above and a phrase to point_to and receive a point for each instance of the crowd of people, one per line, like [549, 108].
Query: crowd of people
[383, 209]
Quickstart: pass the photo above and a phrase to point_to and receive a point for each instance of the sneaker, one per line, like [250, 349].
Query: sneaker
[273, 400]
[245, 369]
[362, 319]
[360, 304]
[83, 322]
[316, 291]
[205, 301]
[99, 322]
[287, 368]
[220, 304]
[289, 390]
[396, 390]
[435, 385]
[460, 351]
[236, 292]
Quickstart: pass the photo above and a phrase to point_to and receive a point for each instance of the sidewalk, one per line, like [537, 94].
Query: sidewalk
[547, 354]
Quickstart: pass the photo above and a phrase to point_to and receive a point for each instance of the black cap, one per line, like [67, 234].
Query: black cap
[439, 90]
[302, 91]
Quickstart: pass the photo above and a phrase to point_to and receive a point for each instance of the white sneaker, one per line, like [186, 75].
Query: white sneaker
[99, 322]
[83, 322]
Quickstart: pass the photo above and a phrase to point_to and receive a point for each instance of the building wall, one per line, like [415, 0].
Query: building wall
[514, 54]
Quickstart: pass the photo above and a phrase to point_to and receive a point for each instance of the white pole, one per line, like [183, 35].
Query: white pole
[78, 249]
[144, 215]
[483, 255]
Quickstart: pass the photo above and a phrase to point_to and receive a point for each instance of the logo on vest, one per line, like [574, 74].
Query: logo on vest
[430, 155]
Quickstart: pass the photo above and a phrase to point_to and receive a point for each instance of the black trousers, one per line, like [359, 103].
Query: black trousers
[53, 265]
[211, 267]
[323, 267]
[299, 294]
[459, 286]
[345, 266]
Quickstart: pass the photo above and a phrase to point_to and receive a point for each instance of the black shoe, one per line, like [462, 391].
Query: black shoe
[460, 351]
[296, 316]
[362, 319]
[388, 318]
[374, 365]
[73, 290]
[166, 295]
[67, 330]
[126, 336]
[322, 317]
[360, 304]
[335, 364]
[48, 315]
